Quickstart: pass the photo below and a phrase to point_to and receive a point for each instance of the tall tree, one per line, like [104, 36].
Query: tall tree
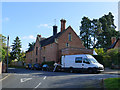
[109, 31]
[31, 45]
[96, 31]
[85, 31]
[16, 49]
[3, 47]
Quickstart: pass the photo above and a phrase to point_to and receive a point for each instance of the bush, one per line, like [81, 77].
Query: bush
[114, 56]
[107, 61]
[108, 58]
[99, 58]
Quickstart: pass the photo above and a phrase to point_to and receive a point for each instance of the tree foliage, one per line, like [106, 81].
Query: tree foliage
[85, 31]
[109, 58]
[100, 51]
[97, 33]
[16, 49]
[3, 47]
[31, 45]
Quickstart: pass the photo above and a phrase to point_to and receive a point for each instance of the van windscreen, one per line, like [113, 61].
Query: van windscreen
[92, 60]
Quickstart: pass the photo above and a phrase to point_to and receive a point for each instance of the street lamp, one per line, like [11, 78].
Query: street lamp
[7, 52]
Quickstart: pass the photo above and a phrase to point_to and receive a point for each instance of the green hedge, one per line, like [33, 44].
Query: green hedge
[99, 58]
[109, 58]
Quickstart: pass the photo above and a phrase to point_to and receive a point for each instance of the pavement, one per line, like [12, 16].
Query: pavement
[111, 71]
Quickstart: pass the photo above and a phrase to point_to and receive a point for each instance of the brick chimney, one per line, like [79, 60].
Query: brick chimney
[54, 30]
[113, 39]
[39, 35]
[62, 24]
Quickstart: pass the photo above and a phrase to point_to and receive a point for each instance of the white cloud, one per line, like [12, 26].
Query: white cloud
[29, 37]
[44, 25]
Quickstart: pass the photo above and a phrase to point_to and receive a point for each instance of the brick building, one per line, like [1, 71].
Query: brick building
[66, 42]
[115, 43]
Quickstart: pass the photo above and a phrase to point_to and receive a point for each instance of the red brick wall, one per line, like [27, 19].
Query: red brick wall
[38, 56]
[29, 57]
[49, 52]
[73, 51]
[52, 52]
[63, 39]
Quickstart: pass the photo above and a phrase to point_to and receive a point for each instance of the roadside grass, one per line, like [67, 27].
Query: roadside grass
[112, 83]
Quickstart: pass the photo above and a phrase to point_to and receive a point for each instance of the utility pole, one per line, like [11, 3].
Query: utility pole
[7, 52]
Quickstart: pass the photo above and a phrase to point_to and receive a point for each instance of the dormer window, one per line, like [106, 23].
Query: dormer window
[69, 37]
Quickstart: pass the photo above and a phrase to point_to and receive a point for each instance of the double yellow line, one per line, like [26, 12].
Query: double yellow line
[5, 77]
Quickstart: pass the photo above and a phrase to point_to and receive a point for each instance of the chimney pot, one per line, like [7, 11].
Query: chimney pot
[54, 30]
[63, 21]
[39, 35]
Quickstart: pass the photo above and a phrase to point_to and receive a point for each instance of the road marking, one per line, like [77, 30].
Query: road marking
[24, 79]
[44, 78]
[38, 85]
[5, 77]
[22, 74]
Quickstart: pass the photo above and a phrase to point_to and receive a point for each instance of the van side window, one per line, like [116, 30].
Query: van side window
[85, 60]
[78, 60]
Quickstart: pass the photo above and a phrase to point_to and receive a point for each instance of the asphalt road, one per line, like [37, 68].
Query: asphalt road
[22, 78]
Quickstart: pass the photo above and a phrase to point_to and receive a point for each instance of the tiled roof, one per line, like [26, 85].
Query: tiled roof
[49, 40]
[52, 38]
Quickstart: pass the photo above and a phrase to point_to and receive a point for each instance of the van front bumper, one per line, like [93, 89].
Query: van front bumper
[101, 69]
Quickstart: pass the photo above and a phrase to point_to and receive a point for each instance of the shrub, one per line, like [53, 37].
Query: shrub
[107, 61]
[108, 58]
[114, 55]
[99, 58]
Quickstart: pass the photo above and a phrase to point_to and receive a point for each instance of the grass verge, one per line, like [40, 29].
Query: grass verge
[112, 83]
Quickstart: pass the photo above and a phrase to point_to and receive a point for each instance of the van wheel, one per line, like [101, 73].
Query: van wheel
[90, 71]
[71, 70]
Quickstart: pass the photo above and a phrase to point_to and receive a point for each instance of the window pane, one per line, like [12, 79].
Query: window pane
[78, 60]
[69, 36]
[85, 60]
[36, 50]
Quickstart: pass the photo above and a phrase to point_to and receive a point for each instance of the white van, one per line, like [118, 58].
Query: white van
[81, 62]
